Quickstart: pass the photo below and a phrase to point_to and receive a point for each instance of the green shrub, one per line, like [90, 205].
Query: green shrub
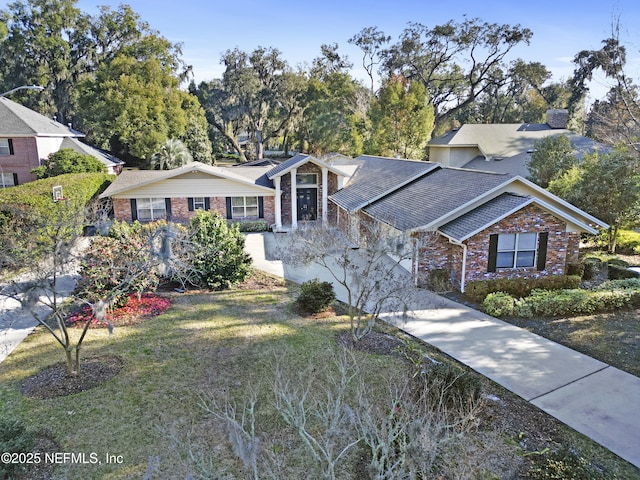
[30, 209]
[315, 296]
[499, 304]
[15, 437]
[592, 267]
[252, 226]
[622, 284]
[627, 242]
[440, 280]
[219, 256]
[519, 287]
[576, 269]
[67, 160]
[617, 272]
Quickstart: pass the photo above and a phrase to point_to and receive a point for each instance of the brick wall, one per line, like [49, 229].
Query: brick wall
[180, 209]
[562, 249]
[24, 158]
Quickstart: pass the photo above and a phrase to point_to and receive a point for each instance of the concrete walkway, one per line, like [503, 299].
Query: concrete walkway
[599, 401]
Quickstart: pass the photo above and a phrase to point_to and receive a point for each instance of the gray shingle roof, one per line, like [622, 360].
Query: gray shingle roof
[377, 176]
[20, 121]
[433, 196]
[77, 146]
[293, 161]
[472, 222]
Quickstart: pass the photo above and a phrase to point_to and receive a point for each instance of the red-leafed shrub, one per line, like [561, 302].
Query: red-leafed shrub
[135, 309]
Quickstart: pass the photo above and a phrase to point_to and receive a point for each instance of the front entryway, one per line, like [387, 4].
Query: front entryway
[307, 204]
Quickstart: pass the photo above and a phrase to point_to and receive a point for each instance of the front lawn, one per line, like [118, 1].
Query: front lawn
[219, 348]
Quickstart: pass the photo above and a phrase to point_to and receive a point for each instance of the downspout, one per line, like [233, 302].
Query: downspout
[464, 267]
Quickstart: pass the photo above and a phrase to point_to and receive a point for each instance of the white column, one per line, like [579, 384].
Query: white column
[325, 193]
[294, 199]
[277, 206]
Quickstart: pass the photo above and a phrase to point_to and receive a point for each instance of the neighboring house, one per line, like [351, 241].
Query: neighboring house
[475, 225]
[27, 137]
[503, 148]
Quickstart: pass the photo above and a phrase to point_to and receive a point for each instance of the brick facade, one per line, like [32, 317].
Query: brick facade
[438, 252]
[285, 188]
[25, 157]
[180, 209]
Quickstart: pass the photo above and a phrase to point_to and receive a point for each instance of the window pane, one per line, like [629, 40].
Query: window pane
[504, 260]
[6, 180]
[251, 201]
[144, 203]
[507, 241]
[237, 201]
[159, 213]
[198, 202]
[237, 212]
[4, 146]
[306, 178]
[252, 211]
[527, 241]
[158, 203]
[525, 259]
[144, 214]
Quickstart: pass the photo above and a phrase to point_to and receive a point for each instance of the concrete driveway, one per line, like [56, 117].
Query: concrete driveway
[592, 397]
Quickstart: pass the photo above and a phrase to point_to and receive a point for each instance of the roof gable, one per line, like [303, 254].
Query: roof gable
[295, 162]
[19, 121]
[133, 179]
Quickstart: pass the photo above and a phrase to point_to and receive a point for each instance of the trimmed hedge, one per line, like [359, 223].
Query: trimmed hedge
[519, 287]
[550, 303]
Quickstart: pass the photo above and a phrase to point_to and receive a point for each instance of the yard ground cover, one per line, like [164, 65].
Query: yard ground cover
[225, 344]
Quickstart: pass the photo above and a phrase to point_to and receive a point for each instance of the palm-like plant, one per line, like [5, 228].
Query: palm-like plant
[172, 153]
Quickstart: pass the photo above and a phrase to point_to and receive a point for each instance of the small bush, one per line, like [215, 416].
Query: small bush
[519, 287]
[252, 226]
[499, 304]
[622, 284]
[451, 385]
[592, 267]
[617, 272]
[315, 296]
[15, 437]
[440, 280]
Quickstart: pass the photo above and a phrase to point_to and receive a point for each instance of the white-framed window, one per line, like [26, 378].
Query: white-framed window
[5, 146]
[150, 209]
[199, 202]
[6, 180]
[516, 250]
[305, 179]
[242, 207]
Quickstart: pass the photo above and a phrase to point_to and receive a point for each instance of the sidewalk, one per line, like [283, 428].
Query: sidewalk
[599, 401]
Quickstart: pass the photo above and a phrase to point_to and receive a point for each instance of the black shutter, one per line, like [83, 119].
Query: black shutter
[15, 179]
[229, 210]
[167, 204]
[207, 203]
[260, 207]
[10, 147]
[190, 201]
[134, 210]
[493, 252]
[543, 239]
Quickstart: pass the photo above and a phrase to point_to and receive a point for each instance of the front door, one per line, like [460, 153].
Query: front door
[307, 204]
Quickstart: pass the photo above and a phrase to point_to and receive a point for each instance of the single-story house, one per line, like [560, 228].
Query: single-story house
[294, 190]
[504, 147]
[474, 224]
[27, 138]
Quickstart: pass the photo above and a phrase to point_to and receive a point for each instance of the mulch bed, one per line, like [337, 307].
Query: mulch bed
[53, 381]
[374, 342]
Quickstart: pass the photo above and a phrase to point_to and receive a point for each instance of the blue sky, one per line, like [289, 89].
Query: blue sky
[561, 28]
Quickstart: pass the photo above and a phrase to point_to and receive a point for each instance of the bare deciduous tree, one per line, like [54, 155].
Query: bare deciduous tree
[371, 275]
